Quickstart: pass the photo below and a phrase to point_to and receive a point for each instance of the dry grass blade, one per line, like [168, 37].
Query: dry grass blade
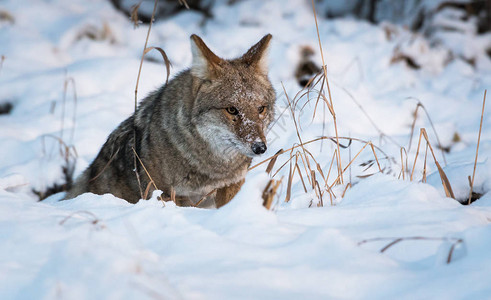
[416, 156]
[289, 185]
[424, 166]
[270, 192]
[331, 106]
[319, 169]
[314, 180]
[204, 197]
[357, 154]
[394, 241]
[376, 158]
[147, 190]
[172, 194]
[143, 53]
[391, 244]
[282, 166]
[321, 201]
[306, 165]
[164, 57]
[454, 245]
[349, 164]
[403, 172]
[345, 189]
[105, 166]
[432, 127]
[445, 182]
[134, 14]
[330, 165]
[415, 117]
[93, 218]
[351, 161]
[135, 165]
[301, 177]
[148, 174]
[270, 166]
[477, 148]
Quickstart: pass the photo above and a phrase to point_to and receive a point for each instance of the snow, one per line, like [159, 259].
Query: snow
[70, 71]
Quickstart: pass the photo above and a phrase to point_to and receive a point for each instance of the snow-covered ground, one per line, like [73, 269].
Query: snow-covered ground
[101, 247]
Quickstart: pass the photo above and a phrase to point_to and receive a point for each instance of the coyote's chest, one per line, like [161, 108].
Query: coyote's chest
[200, 185]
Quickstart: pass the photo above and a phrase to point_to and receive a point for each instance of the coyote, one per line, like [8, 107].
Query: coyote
[195, 136]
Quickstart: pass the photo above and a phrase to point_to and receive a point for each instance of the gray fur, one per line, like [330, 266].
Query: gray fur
[184, 135]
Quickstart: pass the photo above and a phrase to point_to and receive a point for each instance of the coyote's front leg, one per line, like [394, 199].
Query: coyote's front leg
[225, 194]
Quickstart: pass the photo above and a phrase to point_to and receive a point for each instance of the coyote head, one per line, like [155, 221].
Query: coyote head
[233, 99]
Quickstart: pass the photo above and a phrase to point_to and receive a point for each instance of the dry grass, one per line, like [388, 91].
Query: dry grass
[471, 182]
[445, 182]
[66, 148]
[330, 104]
[173, 195]
[415, 114]
[146, 49]
[393, 241]
[301, 163]
[86, 215]
[270, 191]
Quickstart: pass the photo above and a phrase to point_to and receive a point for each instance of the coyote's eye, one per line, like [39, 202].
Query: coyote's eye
[232, 110]
[261, 109]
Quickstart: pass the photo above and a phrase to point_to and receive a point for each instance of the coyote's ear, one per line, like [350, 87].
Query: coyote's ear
[257, 56]
[205, 63]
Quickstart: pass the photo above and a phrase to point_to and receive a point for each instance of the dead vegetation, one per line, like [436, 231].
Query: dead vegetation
[472, 195]
[66, 148]
[97, 33]
[147, 49]
[317, 181]
[455, 242]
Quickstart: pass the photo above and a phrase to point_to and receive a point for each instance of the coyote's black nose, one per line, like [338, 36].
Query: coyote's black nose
[259, 148]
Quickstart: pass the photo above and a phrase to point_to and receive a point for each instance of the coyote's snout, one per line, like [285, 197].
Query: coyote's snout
[195, 136]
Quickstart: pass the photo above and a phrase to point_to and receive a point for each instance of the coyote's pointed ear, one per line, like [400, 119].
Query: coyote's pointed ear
[205, 63]
[257, 56]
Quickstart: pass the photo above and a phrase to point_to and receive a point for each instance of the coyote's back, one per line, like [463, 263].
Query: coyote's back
[195, 136]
